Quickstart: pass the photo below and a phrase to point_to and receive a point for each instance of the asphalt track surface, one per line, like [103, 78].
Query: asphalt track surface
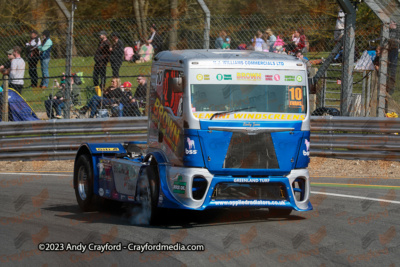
[355, 222]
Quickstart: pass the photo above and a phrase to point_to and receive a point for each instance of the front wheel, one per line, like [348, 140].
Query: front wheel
[83, 183]
[147, 196]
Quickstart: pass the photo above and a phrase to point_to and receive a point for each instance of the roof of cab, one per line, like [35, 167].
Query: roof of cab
[218, 54]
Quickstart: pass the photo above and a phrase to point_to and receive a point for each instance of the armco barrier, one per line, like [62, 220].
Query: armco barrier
[339, 137]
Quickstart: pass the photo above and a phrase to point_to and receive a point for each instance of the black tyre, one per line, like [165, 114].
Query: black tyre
[273, 212]
[83, 183]
[148, 192]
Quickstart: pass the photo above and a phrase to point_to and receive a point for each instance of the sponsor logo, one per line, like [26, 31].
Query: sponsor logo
[227, 77]
[299, 78]
[306, 153]
[206, 77]
[107, 193]
[242, 76]
[219, 77]
[191, 145]
[101, 192]
[249, 180]
[252, 116]
[179, 186]
[250, 203]
[123, 197]
[107, 149]
[268, 77]
[131, 198]
[277, 77]
[289, 78]
[199, 77]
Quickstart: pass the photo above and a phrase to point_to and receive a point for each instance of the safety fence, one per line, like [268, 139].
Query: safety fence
[338, 137]
[97, 66]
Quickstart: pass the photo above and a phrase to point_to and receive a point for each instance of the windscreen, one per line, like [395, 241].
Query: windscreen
[262, 92]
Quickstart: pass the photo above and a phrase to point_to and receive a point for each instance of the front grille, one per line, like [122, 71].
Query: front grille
[267, 191]
[251, 152]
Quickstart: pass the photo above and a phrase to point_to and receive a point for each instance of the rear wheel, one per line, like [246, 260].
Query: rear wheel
[148, 192]
[83, 183]
[273, 212]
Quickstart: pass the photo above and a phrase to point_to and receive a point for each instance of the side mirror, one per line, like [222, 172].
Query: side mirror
[177, 85]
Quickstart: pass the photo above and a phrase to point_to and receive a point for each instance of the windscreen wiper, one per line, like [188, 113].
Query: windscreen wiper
[229, 111]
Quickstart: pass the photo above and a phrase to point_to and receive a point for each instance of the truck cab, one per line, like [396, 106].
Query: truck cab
[225, 129]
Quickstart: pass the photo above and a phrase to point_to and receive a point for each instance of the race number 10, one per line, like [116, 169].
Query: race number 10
[295, 96]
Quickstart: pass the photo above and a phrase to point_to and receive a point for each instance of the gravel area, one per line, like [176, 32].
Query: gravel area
[318, 167]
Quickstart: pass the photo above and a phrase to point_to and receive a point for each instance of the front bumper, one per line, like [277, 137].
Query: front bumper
[182, 178]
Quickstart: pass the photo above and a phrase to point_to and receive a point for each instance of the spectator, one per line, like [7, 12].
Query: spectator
[377, 57]
[339, 27]
[101, 59]
[305, 60]
[111, 97]
[45, 50]
[155, 39]
[270, 40]
[117, 54]
[133, 104]
[219, 42]
[33, 56]
[17, 70]
[141, 90]
[130, 105]
[146, 52]
[257, 41]
[393, 55]
[227, 43]
[302, 45]
[56, 102]
[5, 68]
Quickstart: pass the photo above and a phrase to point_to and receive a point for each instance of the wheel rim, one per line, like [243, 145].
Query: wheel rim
[83, 186]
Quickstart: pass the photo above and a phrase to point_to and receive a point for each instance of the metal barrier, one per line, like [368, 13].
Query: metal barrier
[339, 137]
[60, 139]
[355, 138]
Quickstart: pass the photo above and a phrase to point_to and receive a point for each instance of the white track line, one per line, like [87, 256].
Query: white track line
[357, 197]
[26, 173]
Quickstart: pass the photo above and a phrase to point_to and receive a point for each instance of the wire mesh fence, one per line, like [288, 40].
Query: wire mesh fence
[126, 55]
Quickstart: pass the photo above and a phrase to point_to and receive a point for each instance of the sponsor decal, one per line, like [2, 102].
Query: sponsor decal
[123, 197]
[220, 77]
[247, 76]
[206, 77]
[299, 78]
[131, 198]
[251, 116]
[179, 186]
[199, 77]
[277, 77]
[268, 77]
[192, 148]
[107, 193]
[101, 192]
[306, 153]
[227, 77]
[290, 78]
[249, 62]
[168, 127]
[250, 180]
[115, 195]
[250, 203]
[107, 149]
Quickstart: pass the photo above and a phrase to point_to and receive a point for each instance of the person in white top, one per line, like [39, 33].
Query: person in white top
[33, 56]
[17, 70]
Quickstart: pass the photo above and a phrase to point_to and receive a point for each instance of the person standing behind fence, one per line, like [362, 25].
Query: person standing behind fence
[117, 54]
[155, 39]
[219, 42]
[33, 56]
[17, 70]
[6, 67]
[45, 50]
[271, 39]
[101, 59]
[339, 27]
[146, 52]
[302, 45]
[258, 41]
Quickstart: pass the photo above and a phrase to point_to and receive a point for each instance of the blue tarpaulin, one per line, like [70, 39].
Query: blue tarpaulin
[18, 108]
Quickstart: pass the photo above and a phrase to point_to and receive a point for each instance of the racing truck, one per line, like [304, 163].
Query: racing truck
[226, 129]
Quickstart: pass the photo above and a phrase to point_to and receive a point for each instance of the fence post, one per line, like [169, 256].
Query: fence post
[383, 70]
[5, 99]
[348, 57]
[68, 63]
[206, 24]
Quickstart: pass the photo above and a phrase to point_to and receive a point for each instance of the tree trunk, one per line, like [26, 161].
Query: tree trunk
[137, 16]
[173, 34]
